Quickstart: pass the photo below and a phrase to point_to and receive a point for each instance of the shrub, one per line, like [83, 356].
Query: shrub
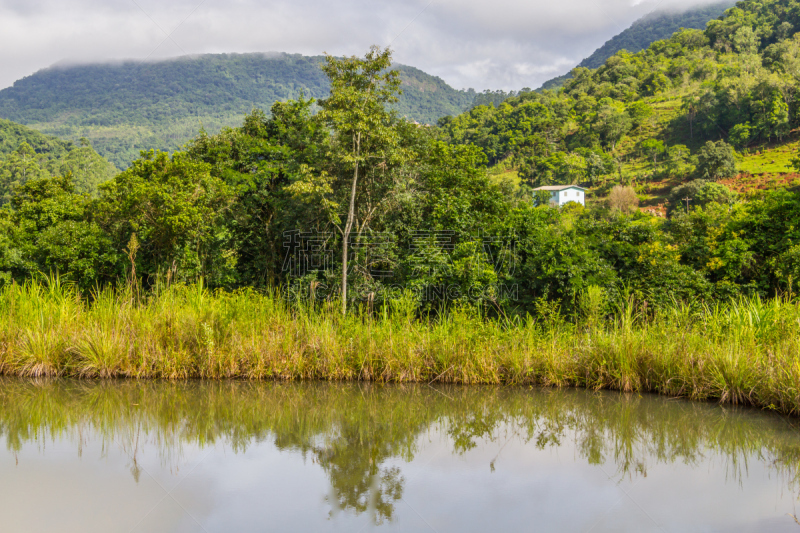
[701, 193]
[623, 198]
[714, 193]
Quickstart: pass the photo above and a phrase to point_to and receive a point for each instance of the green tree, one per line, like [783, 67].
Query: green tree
[701, 193]
[745, 40]
[612, 121]
[639, 112]
[690, 105]
[716, 160]
[653, 148]
[787, 269]
[677, 158]
[714, 193]
[740, 135]
[682, 197]
[260, 161]
[365, 136]
[771, 114]
[53, 232]
[87, 167]
[597, 164]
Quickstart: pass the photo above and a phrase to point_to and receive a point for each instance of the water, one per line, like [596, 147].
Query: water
[214, 457]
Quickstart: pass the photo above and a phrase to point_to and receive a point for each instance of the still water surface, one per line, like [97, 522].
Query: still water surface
[213, 457]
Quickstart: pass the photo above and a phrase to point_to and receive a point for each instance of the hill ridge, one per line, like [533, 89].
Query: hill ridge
[654, 26]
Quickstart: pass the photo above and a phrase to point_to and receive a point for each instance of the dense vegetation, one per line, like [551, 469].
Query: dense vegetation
[353, 207]
[289, 199]
[27, 155]
[645, 31]
[132, 106]
[13, 135]
[667, 114]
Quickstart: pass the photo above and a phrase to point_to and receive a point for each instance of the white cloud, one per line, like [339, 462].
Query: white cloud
[506, 44]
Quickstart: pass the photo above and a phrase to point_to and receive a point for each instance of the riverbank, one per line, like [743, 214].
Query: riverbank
[745, 353]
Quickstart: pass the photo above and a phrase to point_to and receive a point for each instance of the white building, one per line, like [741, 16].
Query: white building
[563, 194]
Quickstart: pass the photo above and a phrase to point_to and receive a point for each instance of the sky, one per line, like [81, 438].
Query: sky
[483, 44]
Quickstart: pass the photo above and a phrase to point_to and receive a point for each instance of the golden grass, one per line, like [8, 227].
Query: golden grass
[745, 352]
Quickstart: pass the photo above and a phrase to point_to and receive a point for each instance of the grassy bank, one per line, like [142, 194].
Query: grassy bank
[745, 352]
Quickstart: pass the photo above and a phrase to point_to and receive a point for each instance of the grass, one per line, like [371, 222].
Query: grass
[512, 176]
[745, 352]
[769, 159]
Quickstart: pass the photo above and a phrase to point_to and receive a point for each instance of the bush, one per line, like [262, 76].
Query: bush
[714, 193]
[701, 193]
[623, 198]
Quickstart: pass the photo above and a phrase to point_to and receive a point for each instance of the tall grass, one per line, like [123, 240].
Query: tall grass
[745, 352]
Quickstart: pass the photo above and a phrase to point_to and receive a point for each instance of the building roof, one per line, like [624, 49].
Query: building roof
[558, 187]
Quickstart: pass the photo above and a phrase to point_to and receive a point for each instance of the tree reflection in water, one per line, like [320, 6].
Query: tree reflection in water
[358, 433]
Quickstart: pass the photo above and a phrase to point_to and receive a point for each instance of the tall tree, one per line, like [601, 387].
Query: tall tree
[364, 130]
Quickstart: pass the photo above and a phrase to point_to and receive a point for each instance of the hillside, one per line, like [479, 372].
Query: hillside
[131, 106]
[26, 154]
[12, 135]
[648, 29]
[713, 110]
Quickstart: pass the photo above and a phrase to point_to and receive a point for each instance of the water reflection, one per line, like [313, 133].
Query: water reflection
[361, 435]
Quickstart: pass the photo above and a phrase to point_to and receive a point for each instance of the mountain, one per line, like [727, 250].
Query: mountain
[130, 106]
[645, 31]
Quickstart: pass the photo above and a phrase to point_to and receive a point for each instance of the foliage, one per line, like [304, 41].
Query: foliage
[174, 206]
[494, 98]
[735, 81]
[364, 138]
[13, 135]
[700, 193]
[266, 205]
[716, 160]
[234, 208]
[740, 135]
[50, 229]
[714, 193]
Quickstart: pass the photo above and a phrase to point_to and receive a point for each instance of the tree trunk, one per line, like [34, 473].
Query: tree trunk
[349, 226]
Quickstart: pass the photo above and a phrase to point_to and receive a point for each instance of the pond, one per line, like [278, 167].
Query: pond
[238, 456]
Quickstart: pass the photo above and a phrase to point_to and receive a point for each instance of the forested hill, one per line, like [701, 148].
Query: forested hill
[714, 110]
[645, 31]
[13, 135]
[26, 154]
[131, 106]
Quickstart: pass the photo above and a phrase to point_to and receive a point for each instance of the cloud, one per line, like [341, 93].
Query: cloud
[501, 44]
